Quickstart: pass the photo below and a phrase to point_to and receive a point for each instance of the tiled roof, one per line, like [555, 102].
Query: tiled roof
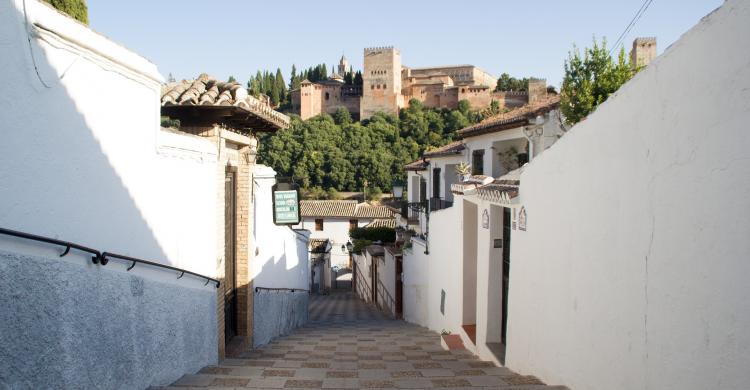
[419, 165]
[227, 103]
[375, 250]
[469, 185]
[513, 118]
[318, 245]
[344, 209]
[455, 147]
[327, 208]
[391, 223]
[365, 210]
[503, 189]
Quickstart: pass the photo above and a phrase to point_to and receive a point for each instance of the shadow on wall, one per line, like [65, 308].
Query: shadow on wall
[57, 180]
[278, 312]
[80, 331]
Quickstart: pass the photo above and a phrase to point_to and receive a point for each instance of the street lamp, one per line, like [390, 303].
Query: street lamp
[398, 189]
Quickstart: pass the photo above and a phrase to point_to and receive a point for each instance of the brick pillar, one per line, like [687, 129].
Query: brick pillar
[244, 232]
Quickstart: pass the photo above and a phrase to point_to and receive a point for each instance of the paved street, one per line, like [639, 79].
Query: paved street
[347, 345]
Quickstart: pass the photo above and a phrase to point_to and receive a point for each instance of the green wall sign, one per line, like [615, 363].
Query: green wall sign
[286, 204]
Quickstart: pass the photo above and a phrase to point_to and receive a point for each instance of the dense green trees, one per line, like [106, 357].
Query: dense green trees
[335, 152]
[589, 80]
[77, 9]
[508, 83]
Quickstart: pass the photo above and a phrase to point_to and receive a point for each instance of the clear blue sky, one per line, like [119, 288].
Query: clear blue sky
[236, 37]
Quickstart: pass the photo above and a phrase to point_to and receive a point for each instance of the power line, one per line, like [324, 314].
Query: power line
[632, 24]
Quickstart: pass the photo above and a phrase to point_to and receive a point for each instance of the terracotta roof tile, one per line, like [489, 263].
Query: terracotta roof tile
[327, 208]
[455, 147]
[365, 210]
[513, 118]
[419, 165]
[206, 92]
[391, 223]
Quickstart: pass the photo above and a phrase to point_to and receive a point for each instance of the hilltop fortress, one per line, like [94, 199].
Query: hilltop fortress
[388, 86]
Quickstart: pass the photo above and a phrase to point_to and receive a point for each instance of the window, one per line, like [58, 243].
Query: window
[353, 223]
[319, 225]
[477, 162]
[383, 86]
[327, 96]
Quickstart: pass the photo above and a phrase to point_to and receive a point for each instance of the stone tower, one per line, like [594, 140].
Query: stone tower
[343, 65]
[381, 88]
[644, 50]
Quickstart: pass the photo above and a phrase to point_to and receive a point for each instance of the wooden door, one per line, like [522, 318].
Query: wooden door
[230, 255]
[506, 271]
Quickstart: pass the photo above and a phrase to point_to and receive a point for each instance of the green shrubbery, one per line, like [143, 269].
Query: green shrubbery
[364, 236]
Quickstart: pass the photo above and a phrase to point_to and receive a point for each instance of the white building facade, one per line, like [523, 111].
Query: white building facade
[616, 258]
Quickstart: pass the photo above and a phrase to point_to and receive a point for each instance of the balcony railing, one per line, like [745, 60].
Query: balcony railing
[439, 204]
[413, 210]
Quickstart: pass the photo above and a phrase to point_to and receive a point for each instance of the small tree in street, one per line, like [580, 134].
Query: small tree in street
[589, 80]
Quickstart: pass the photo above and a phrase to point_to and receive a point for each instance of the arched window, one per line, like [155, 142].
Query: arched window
[327, 96]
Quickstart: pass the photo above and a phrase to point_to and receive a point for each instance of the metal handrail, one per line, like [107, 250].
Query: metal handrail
[135, 260]
[258, 289]
[101, 258]
[68, 245]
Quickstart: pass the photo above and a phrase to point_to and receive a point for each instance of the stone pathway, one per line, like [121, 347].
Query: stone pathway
[349, 345]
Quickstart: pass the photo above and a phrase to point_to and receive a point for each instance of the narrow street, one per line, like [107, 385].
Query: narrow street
[347, 344]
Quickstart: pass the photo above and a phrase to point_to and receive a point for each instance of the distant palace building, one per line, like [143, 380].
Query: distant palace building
[388, 86]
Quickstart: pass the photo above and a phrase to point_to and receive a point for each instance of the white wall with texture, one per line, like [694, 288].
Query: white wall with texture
[632, 273]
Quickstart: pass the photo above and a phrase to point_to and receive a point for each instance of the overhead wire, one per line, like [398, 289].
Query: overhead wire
[632, 24]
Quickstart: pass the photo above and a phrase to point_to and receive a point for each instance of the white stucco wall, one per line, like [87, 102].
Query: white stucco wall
[337, 231]
[363, 263]
[416, 277]
[83, 158]
[387, 276]
[633, 274]
[281, 254]
[425, 275]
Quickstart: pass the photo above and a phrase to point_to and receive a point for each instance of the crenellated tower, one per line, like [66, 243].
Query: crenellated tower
[381, 88]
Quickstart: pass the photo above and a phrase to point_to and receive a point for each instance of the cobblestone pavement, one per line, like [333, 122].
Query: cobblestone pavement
[349, 345]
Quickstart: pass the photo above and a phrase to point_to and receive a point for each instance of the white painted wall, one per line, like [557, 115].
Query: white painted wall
[387, 276]
[281, 254]
[83, 158]
[425, 275]
[634, 274]
[416, 278]
[337, 231]
[363, 283]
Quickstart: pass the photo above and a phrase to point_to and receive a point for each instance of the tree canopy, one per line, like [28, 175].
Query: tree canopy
[590, 79]
[508, 83]
[332, 151]
[77, 9]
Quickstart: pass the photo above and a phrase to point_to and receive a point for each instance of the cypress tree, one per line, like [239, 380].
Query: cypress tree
[280, 85]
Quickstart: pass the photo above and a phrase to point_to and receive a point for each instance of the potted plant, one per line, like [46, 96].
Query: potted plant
[463, 170]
